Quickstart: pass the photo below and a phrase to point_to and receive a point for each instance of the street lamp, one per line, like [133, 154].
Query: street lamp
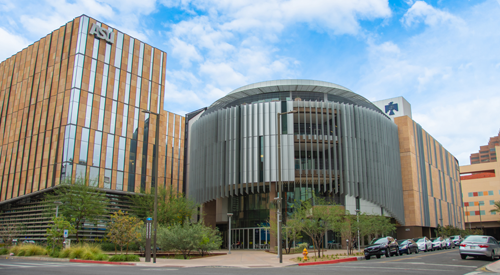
[357, 218]
[229, 238]
[155, 167]
[278, 133]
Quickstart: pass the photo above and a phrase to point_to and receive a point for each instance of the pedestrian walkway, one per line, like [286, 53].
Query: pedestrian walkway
[237, 258]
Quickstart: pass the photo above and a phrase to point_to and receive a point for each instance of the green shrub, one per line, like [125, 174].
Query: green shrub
[125, 258]
[28, 250]
[108, 247]
[4, 251]
[83, 251]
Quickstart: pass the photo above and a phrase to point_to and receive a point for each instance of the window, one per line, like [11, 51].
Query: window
[492, 202]
[472, 194]
[490, 193]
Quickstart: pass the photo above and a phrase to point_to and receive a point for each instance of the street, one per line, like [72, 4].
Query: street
[437, 262]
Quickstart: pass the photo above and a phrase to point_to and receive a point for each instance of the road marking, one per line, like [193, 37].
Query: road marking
[159, 269]
[416, 257]
[395, 268]
[456, 265]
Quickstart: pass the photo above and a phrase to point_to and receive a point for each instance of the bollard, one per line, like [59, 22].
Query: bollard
[305, 254]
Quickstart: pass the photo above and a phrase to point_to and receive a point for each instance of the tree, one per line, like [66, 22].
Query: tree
[208, 238]
[80, 202]
[179, 237]
[55, 233]
[123, 229]
[9, 230]
[172, 207]
[496, 208]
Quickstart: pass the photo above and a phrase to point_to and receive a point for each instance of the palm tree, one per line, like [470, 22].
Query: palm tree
[496, 207]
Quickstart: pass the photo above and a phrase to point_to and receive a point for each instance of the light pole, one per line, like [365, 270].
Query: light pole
[155, 167]
[278, 134]
[229, 237]
[480, 218]
[357, 219]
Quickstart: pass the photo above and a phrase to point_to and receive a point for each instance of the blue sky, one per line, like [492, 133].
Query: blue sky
[443, 56]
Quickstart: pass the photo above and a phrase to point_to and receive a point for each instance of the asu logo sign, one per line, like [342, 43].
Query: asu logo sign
[102, 33]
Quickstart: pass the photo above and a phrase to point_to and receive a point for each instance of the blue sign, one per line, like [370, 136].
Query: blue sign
[149, 219]
[391, 107]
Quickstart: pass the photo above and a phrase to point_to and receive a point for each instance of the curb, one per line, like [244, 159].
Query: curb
[352, 259]
[489, 267]
[99, 262]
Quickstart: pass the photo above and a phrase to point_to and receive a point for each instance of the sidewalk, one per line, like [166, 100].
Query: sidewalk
[237, 258]
[493, 267]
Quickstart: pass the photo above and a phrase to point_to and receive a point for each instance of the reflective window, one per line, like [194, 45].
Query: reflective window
[138, 92]
[119, 181]
[69, 143]
[136, 124]
[82, 35]
[95, 51]
[109, 151]
[132, 161]
[100, 121]
[145, 152]
[130, 55]
[66, 170]
[94, 176]
[107, 54]
[141, 59]
[81, 171]
[96, 161]
[84, 147]
[78, 71]
[127, 88]
[104, 80]
[74, 100]
[107, 179]
[125, 120]
[150, 78]
[121, 153]
[93, 68]
[119, 49]
[159, 86]
[113, 117]
[117, 84]
[88, 112]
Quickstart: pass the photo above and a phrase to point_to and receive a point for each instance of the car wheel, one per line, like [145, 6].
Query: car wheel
[492, 257]
[416, 251]
[388, 253]
[397, 252]
[463, 256]
[408, 251]
[367, 257]
[378, 256]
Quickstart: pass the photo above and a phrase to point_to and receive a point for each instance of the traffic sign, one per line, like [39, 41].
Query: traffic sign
[66, 233]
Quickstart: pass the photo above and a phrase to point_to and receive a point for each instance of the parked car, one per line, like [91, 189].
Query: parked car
[29, 242]
[382, 246]
[449, 243]
[438, 243]
[424, 244]
[457, 239]
[479, 246]
[407, 246]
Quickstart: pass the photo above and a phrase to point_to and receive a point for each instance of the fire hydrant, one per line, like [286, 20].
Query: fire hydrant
[305, 254]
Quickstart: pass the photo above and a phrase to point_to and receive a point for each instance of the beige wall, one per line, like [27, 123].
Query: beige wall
[482, 190]
[431, 193]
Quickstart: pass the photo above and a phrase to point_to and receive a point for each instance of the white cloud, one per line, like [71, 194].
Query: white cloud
[447, 74]
[14, 44]
[185, 52]
[421, 11]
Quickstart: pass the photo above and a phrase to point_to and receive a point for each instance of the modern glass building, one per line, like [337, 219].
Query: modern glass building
[73, 105]
[336, 145]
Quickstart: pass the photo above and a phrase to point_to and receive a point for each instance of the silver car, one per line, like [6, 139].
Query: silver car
[479, 246]
[449, 243]
[438, 244]
[424, 244]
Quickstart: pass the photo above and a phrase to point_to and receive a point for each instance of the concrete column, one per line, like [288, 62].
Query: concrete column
[209, 213]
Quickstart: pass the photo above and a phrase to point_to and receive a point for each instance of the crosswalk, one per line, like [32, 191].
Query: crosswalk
[16, 264]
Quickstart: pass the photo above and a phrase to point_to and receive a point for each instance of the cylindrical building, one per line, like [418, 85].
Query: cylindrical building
[337, 145]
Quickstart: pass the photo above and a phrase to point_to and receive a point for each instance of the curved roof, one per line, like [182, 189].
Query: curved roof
[293, 85]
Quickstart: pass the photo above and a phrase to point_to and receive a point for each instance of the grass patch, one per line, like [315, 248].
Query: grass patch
[84, 251]
[4, 251]
[124, 258]
[28, 250]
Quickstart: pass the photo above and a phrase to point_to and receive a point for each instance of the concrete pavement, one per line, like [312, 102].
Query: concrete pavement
[237, 258]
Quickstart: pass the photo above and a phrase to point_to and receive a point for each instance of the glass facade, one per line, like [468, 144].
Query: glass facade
[83, 113]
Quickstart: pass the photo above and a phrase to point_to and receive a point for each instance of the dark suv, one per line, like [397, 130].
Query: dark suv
[382, 246]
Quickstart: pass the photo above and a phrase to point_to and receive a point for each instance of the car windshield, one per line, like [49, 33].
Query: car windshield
[436, 241]
[379, 241]
[477, 239]
[403, 242]
[448, 239]
[421, 240]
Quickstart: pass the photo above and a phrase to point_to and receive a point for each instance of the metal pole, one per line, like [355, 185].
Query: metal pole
[57, 210]
[229, 238]
[357, 218]
[157, 141]
[278, 133]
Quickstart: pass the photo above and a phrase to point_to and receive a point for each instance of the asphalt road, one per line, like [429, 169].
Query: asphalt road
[438, 262]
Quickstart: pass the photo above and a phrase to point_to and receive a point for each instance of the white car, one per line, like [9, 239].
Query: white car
[424, 244]
[438, 244]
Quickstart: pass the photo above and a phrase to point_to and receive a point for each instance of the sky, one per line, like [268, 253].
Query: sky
[442, 56]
